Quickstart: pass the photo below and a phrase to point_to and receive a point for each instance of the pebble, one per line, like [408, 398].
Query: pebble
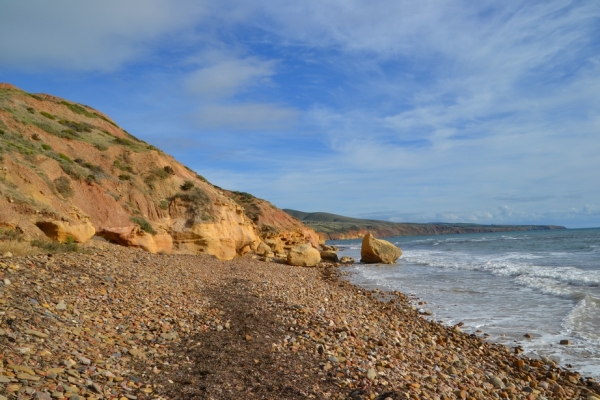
[121, 329]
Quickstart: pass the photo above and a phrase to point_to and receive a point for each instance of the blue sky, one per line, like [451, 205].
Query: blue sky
[418, 111]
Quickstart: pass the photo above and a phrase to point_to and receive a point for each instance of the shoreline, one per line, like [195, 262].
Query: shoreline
[123, 323]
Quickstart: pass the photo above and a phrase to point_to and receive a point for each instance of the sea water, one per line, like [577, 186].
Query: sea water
[542, 283]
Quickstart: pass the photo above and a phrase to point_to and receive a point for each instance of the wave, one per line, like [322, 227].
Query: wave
[557, 280]
[584, 319]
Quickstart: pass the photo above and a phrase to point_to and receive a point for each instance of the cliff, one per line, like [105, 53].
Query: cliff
[337, 227]
[68, 171]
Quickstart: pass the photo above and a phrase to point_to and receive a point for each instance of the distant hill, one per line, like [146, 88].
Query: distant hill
[332, 226]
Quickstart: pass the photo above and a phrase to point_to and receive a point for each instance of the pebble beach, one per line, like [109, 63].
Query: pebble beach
[119, 323]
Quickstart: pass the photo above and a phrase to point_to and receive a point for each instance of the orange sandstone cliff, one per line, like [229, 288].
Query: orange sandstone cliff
[69, 172]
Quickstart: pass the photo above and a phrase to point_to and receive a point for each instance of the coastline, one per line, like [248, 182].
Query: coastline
[119, 322]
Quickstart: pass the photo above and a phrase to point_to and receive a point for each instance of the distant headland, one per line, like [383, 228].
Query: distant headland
[337, 227]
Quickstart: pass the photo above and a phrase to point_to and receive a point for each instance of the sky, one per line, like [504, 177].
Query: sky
[409, 111]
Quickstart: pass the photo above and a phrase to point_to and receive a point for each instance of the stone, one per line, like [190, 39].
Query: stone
[303, 255]
[28, 377]
[36, 333]
[565, 342]
[78, 231]
[264, 250]
[134, 236]
[8, 254]
[276, 244]
[378, 251]
[42, 396]
[329, 255]
[61, 306]
[347, 260]
[497, 382]
[371, 374]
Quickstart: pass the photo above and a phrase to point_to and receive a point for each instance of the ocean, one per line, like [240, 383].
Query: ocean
[542, 283]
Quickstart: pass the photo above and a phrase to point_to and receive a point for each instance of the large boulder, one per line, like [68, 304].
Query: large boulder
[133, 236]
[378, 251]
[304, 255]
[65, 231]
[329, 255]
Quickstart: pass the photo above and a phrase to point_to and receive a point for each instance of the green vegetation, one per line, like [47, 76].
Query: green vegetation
[76, 126]
[199, 205]
[156, 174]
[96, 169]
[30, 110]
[47, 115]
[187, 185]
[63, 186]
[144, 225]
[123, 167]
[65, 157]
[249, 203]
[77, 109]
[56, 247]
[125, 177]
[163, 205]
[169, 170]
[123, 142]
[46, 146]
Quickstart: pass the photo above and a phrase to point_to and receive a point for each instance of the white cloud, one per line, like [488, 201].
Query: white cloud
[87, 35]
[226, 77]
[248, 116]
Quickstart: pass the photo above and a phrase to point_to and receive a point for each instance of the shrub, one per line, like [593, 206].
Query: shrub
[169, 170]
[63, 186]
[76, 126]
[69, 170]
[94, 168]
[123, 142]
[77, 109]
[101, 147]
[46, 147]
[54, 246]
[122, 167]
[68, 133]
[47, 115]
[187, 185]
[30, 110]
[2, 132]
[163, 205]
[125, 177]
[65, 157]
[144, 225]
[198, 204]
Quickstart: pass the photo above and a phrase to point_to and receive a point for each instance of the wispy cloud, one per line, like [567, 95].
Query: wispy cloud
[462, 111]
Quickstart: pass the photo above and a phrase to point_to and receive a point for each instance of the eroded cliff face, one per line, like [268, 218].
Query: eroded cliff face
[69, 166]
[276, 228]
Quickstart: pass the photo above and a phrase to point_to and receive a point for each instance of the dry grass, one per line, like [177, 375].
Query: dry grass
[17, 248]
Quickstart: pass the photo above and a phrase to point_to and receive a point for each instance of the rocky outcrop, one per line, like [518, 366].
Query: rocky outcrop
[275, 227]
[347, 260]
[264, 250]
[134, 236]
[77, 228]
[303, 255]
[378, 251]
